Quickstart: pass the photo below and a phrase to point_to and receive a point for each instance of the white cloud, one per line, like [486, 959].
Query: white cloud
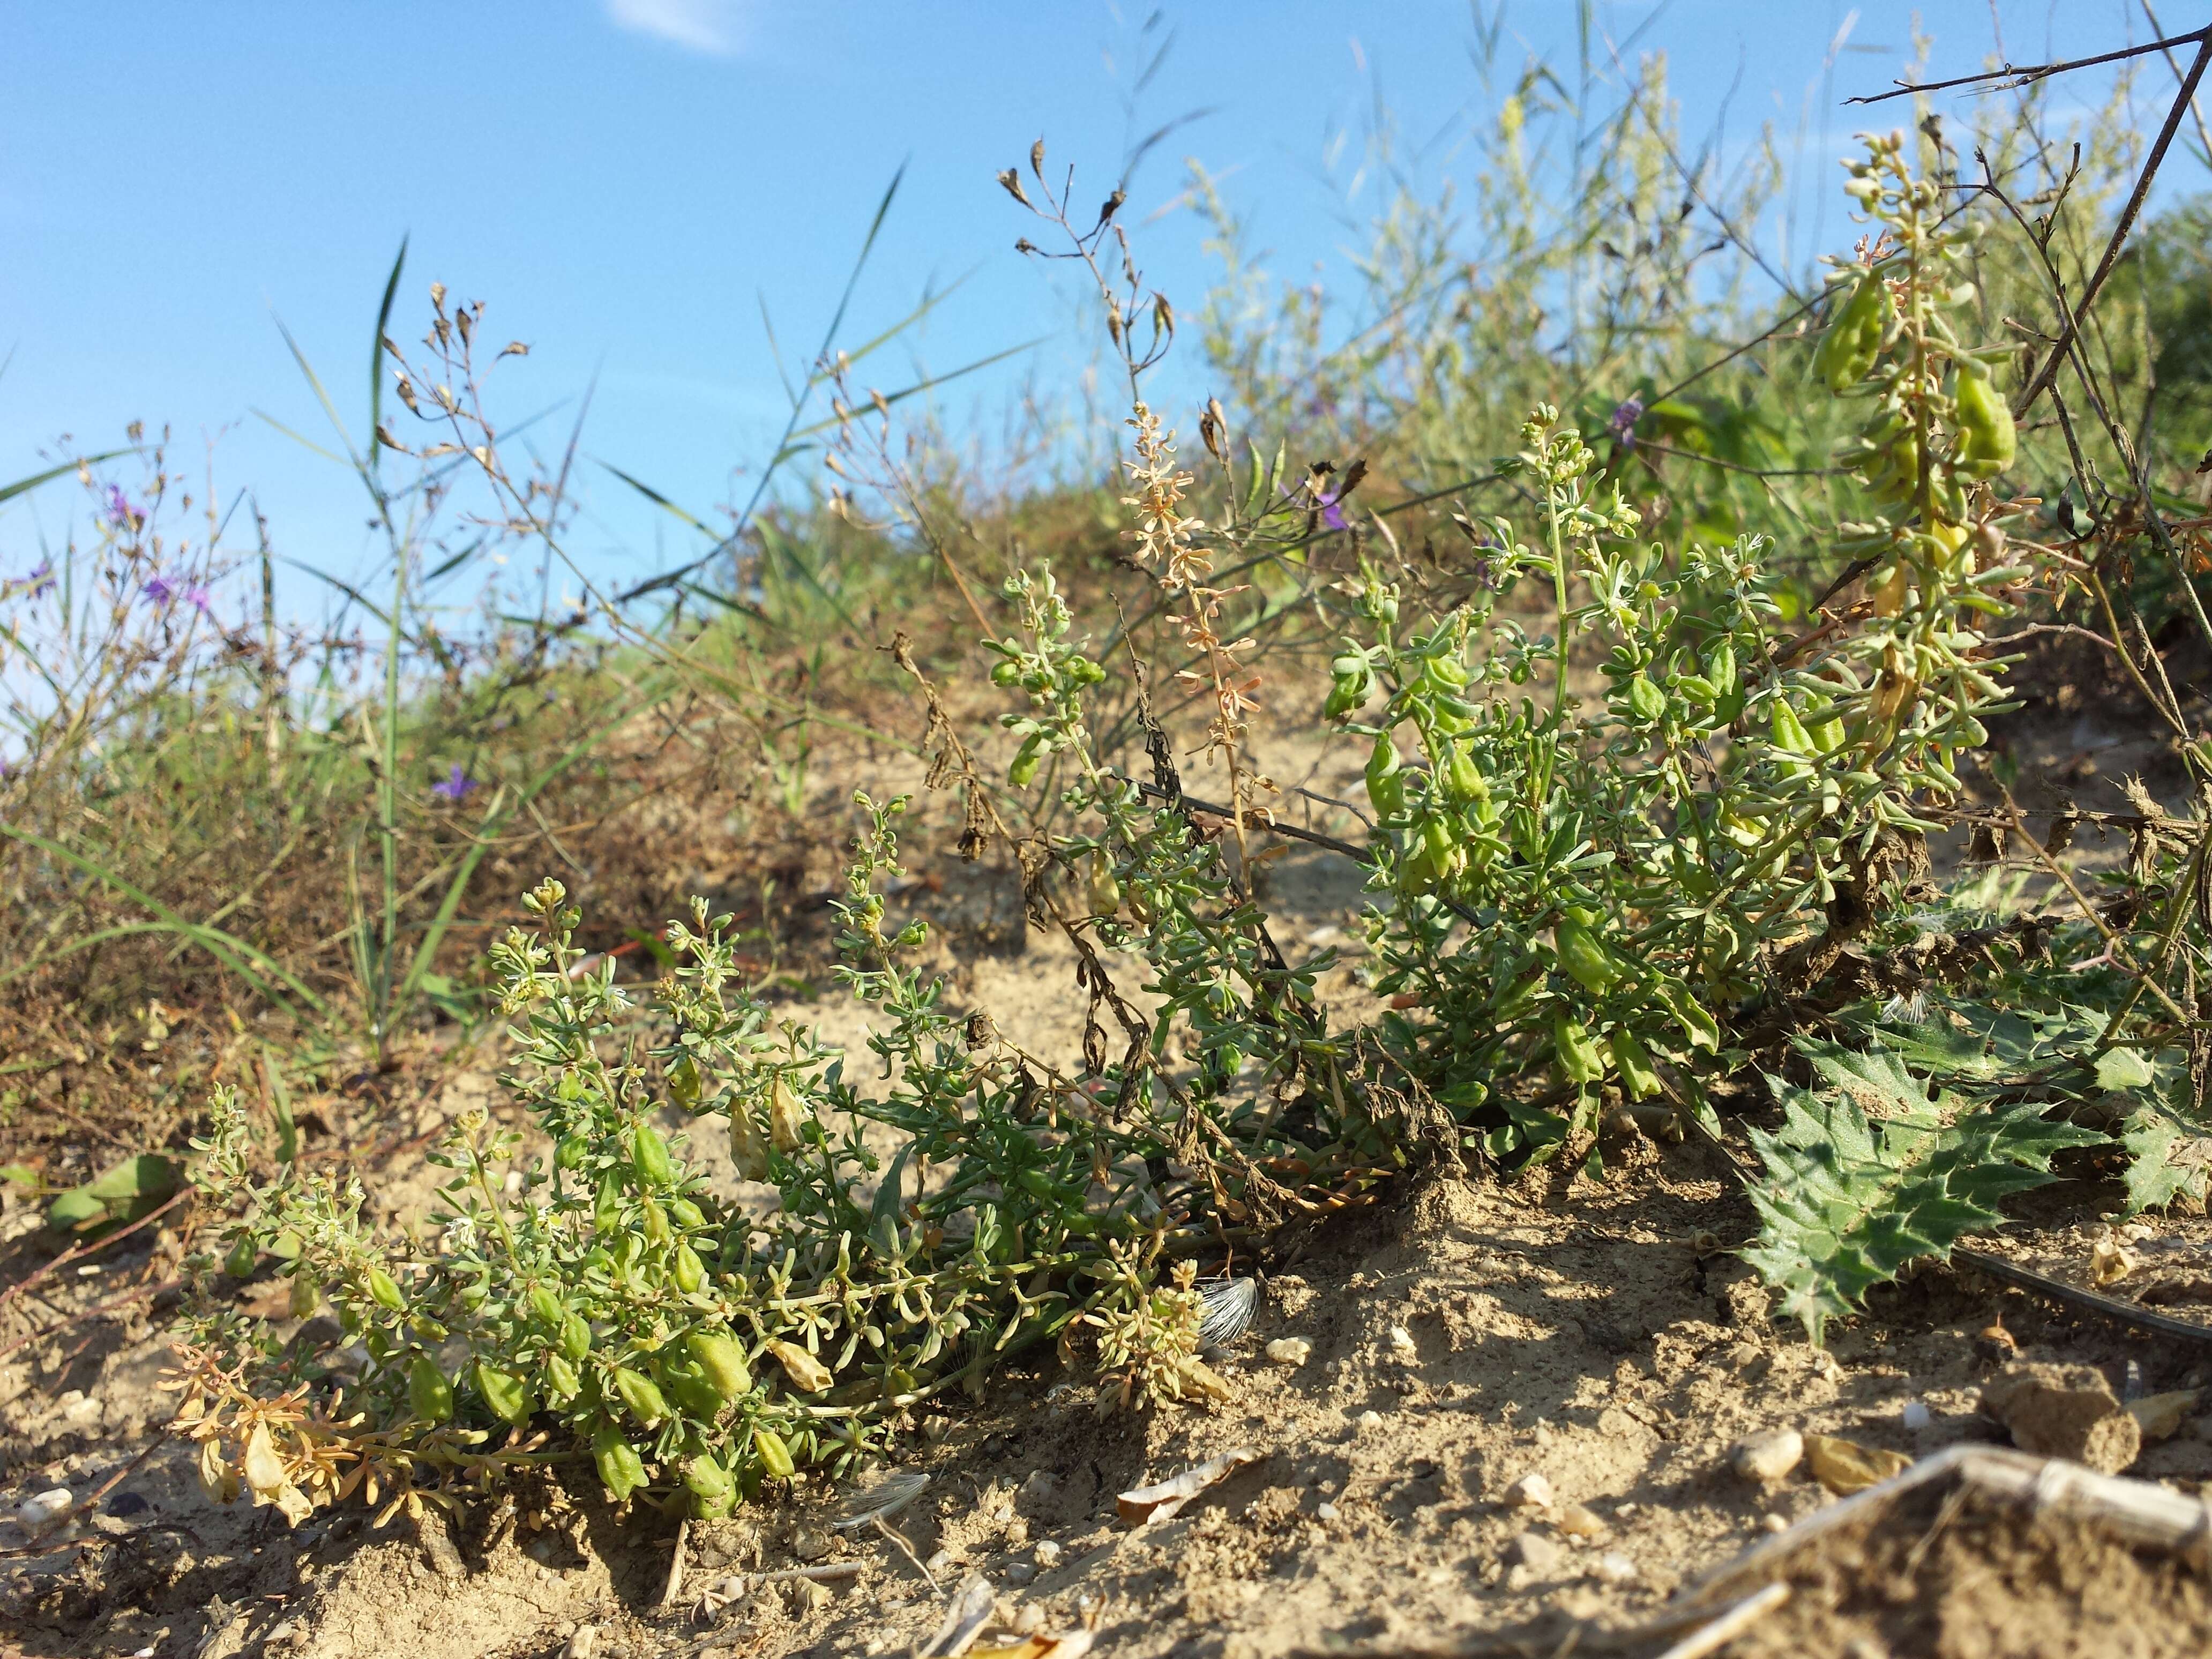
[714, 26]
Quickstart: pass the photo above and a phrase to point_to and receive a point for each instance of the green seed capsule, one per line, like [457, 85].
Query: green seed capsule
[1985, 421]
[1386, 783]
[641, 1394]
[622, 1471]
[1583, 955]
[1646, 700]
[684, 1213]
[562, 1381]
[1853, 340]
[722, 1357]
[689, 1272]
[606, 1203]
[575, 1337]
[507, 1394]
[384, 1291]
[683, 1080]
[547, 1306]
[775, 1455]
[570, 1152]
[689, 1387]
[1027, 759]
[239, 1263]
[1638, 1074]
[649, 1154]
[1578, 1054]
[307, 1294]
[428, 1394]
[713, 1489]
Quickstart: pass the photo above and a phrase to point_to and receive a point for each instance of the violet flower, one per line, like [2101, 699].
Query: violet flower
[1623, 424]
[456, 786]
[1332, 510]
[159, 591]
[120, 513]
[197, 598]
[40, 580]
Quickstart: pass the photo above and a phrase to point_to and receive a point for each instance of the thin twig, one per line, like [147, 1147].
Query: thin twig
[2083, 1300]
[81, 1250]
[2182, 102]
[2012, 76]
[1712, 1639]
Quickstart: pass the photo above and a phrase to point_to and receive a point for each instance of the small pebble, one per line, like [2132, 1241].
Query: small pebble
[940, 1562]
[36, 1511]
[1767, 1457]
[1917, 1415]
[1018, 1533]
[1530, 1491]
[1326, 1513]
[1368, 1422]
[1029, 1620]
[1020, 1572]
[583, 1644]
[1401, 1343]
[1774, 1522]
[1290, 1350]
[1615, 1568]
[1577, 1522]
[1048, 1554]
[1536, 1552]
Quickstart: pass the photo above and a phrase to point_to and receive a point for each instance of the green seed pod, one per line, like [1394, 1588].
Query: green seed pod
[1853, 340]
[722, 1357]
[1584, 956]
[1446, 673]
[307, 1294]
[686, 1214]
[1578, 1055]
[683, 1080]
[507, 1394]
[1645, 700]
[1985, 421]
[384, 1291]
[775, 1455]
[575, 1337]
[1461, 780]
[606, 1203]
[1006, 672]
[712, 1491]
[656, 1221]
[641, 1394]
[547, 1306]
[1386, 783]
[648, 1155]
[1023, 770]
[1638, 1074]
[688, 1388]
[689, 1272]
[1720, 668]
[622, 1471]
[569, 1153]
[562, 1381]
[428, 1394]
[1698, 1025]
[239, 1263]
[1789, 732]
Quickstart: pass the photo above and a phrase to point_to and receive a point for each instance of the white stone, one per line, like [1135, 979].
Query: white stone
[36, 1512]
[1917, 1415]
[1615, 1568]
[1768, 1456]
[1368, 1422]
[1289, 1351]
[1401, 1343]
[1530, 1491]
[1536, 1552]
[1048, 1554]
[1326, 1513]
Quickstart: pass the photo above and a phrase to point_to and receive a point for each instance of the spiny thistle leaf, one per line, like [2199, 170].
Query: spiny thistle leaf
[1869, 1174]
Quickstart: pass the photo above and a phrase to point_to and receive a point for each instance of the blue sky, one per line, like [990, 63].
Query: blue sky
[626, 182]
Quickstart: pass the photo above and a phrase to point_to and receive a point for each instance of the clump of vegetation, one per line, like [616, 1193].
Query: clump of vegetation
[1665, 716]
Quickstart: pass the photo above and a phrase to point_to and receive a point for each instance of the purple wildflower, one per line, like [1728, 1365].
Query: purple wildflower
[1623, 424]
[197, 598]
[42, 578]
[120, 513]
[158, 590]
[1332, 510]
[456, 786]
